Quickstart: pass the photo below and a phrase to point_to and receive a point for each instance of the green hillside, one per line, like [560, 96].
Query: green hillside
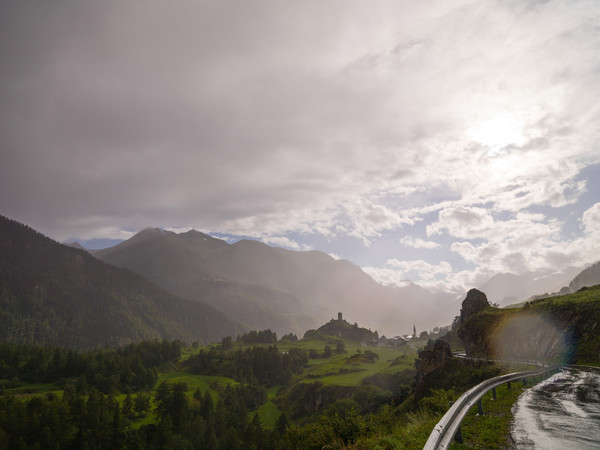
[323, 391]
[562, 328]
[159, 395]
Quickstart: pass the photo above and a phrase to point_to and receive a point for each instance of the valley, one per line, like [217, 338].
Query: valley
[95, 355]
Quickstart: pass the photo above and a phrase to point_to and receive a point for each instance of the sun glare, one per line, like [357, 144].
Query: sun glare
[530, 336]
[497, 132]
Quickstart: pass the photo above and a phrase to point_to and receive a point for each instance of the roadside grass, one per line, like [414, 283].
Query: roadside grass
[411, 433]
[492, 430]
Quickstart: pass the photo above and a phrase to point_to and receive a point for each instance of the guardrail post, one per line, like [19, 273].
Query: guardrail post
[458, 436]
[508, 385]
[480, 407]
[525, 381]
[494, 393]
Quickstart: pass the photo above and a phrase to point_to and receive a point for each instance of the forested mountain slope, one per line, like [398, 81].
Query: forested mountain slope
[52, 294]
[185, 264]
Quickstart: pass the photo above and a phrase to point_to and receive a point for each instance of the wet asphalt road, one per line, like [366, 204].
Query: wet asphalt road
[562, 412]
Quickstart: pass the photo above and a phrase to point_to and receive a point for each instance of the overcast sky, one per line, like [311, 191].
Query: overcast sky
[438, 141]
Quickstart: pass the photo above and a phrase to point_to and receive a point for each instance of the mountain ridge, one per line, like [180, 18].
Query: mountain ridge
[56, 292]
[307, 284]
[509, 288]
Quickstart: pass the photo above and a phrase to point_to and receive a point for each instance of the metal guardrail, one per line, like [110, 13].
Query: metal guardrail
[443, 433]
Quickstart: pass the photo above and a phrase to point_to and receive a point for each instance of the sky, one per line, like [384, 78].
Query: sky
[437, 141]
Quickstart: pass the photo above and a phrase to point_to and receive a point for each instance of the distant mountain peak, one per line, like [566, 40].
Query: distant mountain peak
[195, 232]
[154, 232]
[76, 245]
[196, 237]
[250, 243]
[198, 234]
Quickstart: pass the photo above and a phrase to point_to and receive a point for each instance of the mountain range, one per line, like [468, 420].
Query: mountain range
[270, 287]
[191, 286]
[507, 288]
[291, 291]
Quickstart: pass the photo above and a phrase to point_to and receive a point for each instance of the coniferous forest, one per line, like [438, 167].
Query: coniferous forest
[162, 394]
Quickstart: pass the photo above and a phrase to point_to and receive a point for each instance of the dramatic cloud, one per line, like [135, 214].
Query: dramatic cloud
[455, 132]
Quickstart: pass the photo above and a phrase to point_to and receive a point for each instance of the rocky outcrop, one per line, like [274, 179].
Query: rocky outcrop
[432, 359]
[475, 302]
[342, 329]
[429, 361]
[438, 369]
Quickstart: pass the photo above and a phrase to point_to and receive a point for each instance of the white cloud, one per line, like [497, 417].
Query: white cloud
[398, 271]
[421, 266]
[435, 277]
[524, 216]
[410, 241]
[384, 275]
[368, 220]
[590, 219]
[282, 241]
[516, 245]
[462, 222]
[465, 249]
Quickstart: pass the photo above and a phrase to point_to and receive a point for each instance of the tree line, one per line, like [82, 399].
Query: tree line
[132, 367]
[256, 365]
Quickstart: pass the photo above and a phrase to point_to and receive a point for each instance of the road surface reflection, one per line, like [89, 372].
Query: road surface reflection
[562, 412]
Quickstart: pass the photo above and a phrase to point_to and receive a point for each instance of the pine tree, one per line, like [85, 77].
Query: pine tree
[141, 404]
[127, 408]
[282, 424]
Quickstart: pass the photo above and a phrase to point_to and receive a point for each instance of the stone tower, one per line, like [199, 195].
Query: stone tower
[340, 316]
